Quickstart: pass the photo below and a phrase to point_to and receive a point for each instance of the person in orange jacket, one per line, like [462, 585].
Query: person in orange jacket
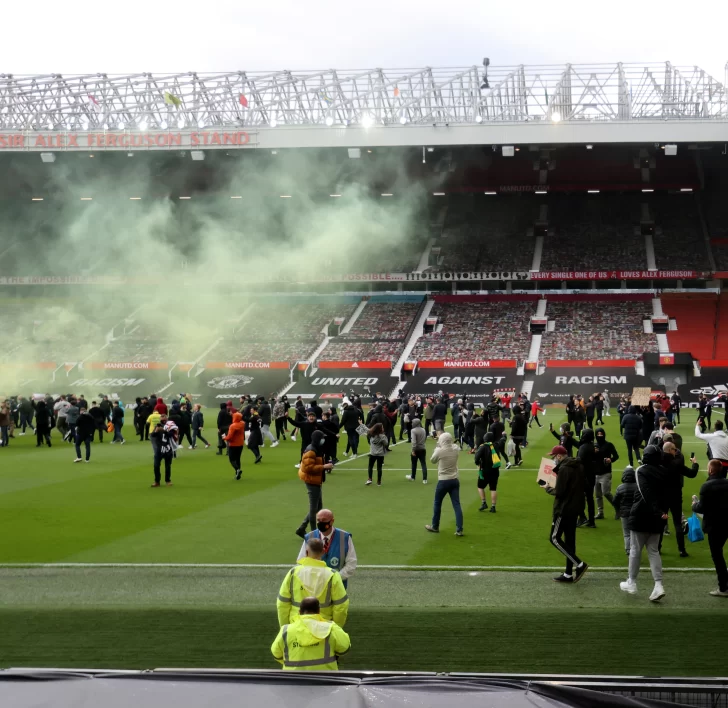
[235, 439]
[535, 408]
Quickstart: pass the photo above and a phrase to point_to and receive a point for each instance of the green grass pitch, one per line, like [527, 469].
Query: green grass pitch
[54, 511]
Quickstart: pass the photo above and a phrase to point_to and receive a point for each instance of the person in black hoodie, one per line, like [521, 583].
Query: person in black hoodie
[647, 520]
[480, 428]
[488, 474]
[587, 456]
[99, 418]
[185, 425]
[631, 427]
[350, 420]
[84, 432]
[713, 504]
[307, 429]
[43, 420]
[590, 410]
[332, 437]
[255, 440]
[224, 421]
[469, 427]
[674, 462]
[570, 410]
[142, 413]
[604, 455]
[518, 432]
[623, 500]
[498, 430]
[565, 437]
[568, 506]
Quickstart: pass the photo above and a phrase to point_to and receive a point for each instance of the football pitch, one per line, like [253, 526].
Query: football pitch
[140, 577]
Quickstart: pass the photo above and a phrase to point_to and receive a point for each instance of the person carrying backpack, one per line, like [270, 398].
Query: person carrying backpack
[489, 463]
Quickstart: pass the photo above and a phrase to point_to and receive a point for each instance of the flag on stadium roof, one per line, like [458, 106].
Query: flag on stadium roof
[396, 91]
[325, 98]
[243, 101]
[171, 100]
[94, 101]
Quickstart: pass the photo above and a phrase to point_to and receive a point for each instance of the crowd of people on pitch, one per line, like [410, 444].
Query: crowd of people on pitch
[648, 495]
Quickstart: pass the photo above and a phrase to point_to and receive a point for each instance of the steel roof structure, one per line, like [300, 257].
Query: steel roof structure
[571, 94]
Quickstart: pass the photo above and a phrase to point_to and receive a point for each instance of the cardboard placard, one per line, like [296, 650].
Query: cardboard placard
[546, 472]
[641, 396]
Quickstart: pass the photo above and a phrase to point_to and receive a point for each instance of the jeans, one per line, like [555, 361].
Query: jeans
[379, 459]
[626, 532]
[267, 433]
[4, 435]
[167, 457]
[197, 434]
[315, 504]
[563, 539]
[87, 442]
[443, 488]
[716, 541]
[26, 420]
[603, 489]
[234, 454]
[117, 432]
[421, 457]
[352, 441]
[633, 445]
[280, 428]
[637, 540]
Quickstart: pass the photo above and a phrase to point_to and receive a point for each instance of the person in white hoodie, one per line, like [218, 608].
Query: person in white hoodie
[717, 442]
[448, 482]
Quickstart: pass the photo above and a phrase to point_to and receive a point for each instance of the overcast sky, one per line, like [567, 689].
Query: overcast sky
[227, 35]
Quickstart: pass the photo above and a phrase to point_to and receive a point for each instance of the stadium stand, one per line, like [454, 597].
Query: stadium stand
[244, 350]
[598, 329]
[478, 330]
[595, 232]
[695, 315]
[484, 232]
[379, 333]
[679, 240]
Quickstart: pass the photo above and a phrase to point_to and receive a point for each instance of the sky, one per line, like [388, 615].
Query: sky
[223, 35]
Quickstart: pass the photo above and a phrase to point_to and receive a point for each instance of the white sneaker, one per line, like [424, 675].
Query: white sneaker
[658, 593]
[629, 586]
[275, 444]
[297, 466]
[21, 434]
[719, 593]
[189, 447]
[367, 483]
[424, 481]
[78, 459]
[123, 441]
[112, 442]
[293, 437]
[508, 466]
[409, 477]
[346, 454]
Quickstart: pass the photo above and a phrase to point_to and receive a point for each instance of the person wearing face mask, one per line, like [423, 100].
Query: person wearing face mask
[568, 506]
[312, 473]
[674, 462]
[339, 553]
[604, 455]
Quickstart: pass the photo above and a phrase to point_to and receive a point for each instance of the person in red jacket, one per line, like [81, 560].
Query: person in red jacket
[161, 407]
[535, 408]
[235, 439]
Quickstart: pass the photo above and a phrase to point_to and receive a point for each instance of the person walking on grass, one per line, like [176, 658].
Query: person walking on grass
[198, 424]
[535, 410]
[623, 501]
[647, 521]
[117, 418]
[604, 455]
[235, 439]
[519, 430]
[255, 439]
[312, 472]
[713, 505]
[568, 506]
[83, 434]
[224, 421]
[43, 424]
[419, 451]
[448, 482]
[279, 416]
[488, 461]
[164, 443]
[378, 448]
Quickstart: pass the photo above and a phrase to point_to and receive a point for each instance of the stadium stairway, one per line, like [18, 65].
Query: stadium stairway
[417, 332]
[359, 309]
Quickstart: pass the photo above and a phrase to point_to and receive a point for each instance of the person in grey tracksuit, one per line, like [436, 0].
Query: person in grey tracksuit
[419, 453]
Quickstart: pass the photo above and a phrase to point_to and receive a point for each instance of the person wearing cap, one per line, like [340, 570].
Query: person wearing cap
[568, 506]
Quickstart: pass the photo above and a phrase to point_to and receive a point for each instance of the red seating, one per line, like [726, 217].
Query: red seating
[695, 315]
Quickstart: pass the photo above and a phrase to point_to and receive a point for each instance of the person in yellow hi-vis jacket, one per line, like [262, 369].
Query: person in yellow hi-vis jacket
[310, 642]
[311, 577]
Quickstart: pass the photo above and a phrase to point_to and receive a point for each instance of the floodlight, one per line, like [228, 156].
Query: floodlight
[329, 121]
[556, 117]
[367, 121]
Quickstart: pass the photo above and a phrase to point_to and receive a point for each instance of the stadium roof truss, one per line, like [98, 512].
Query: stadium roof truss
[571, 93]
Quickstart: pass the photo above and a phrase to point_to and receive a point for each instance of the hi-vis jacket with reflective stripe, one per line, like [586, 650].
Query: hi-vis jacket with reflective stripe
[310, 644]
[312, 578]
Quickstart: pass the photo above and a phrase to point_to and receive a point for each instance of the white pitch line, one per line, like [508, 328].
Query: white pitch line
[528, 568]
